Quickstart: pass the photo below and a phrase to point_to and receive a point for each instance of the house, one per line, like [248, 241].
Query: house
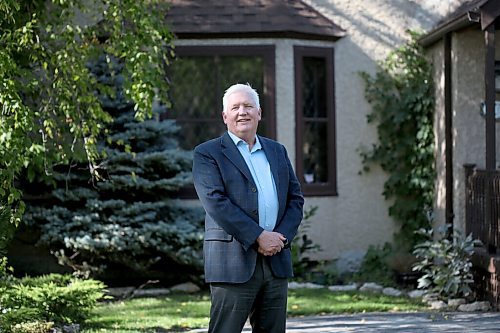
[465, 53]
[304, 57]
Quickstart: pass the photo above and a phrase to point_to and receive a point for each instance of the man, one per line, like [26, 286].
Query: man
[253, 206]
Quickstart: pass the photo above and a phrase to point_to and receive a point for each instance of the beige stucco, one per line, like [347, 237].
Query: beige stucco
[345, 225]
[436, 57]
[358, 216]
[468, 91]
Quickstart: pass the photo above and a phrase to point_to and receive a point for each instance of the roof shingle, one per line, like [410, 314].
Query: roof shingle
[253, 18]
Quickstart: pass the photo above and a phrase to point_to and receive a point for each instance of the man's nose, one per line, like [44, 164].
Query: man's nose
[242, 109]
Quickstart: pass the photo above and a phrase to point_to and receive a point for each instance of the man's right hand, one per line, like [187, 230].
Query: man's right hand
[270, 242]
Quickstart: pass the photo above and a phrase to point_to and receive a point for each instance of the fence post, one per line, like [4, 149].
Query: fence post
[469, 169]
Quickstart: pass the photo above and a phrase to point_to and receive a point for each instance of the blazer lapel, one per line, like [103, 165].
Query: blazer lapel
[232, 153]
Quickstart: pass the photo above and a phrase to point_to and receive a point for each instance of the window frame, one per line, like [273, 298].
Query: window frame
[267, 52]
[316, 189]
[267, 97]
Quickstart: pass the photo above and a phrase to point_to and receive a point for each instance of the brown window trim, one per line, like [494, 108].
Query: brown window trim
[267, 97]
[322, 189]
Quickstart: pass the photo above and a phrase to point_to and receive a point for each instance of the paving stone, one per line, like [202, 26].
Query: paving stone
[346, 287]
[420, 322]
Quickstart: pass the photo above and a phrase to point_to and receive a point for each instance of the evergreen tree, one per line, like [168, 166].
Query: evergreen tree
[129, 218]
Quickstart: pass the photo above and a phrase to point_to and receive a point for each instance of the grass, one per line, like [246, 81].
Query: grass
[181, 312]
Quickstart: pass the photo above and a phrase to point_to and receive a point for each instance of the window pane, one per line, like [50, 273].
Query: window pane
[199, 132]
[198, 84]
[315, 150]
[314, 87]
[192, 89]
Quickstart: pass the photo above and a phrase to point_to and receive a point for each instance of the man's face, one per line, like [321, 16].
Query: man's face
[241, 116]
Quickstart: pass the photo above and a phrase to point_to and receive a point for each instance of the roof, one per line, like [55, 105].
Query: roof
[253, 18]
[482, 12]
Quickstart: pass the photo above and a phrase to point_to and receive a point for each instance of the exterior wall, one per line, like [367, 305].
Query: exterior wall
[469, 138]
[468, 126]
[358, 217]
[345, 225]
[436, 57]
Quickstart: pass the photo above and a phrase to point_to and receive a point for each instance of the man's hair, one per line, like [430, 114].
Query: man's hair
[240, 88]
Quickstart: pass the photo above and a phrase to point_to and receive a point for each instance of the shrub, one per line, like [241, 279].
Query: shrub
[445, 262]
[375, 266]
[51, 298]
[302, 245]
[33, 327]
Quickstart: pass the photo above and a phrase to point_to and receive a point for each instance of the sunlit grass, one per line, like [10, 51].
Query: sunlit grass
[321, 301]
[174, 313]
[181, 312]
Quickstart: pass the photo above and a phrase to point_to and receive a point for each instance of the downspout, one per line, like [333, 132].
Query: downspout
[448, 120]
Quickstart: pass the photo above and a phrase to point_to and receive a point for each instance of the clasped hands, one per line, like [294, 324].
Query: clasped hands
[270, 243]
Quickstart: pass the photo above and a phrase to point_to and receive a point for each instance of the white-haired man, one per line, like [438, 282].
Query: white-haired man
[253, 206]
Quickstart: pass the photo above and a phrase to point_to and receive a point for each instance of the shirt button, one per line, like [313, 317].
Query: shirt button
[254, 189]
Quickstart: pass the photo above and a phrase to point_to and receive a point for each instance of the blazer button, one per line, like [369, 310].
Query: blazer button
[255, 211]
[254, 189]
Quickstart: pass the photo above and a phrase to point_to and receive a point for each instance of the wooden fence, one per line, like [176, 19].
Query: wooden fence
[482, 216]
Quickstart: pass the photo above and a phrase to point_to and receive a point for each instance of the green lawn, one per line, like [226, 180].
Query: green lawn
[180, 312]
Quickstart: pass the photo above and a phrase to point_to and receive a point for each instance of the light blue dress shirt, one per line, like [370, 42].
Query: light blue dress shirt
[260, 169]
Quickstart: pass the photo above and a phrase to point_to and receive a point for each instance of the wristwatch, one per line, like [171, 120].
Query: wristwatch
[286, 244]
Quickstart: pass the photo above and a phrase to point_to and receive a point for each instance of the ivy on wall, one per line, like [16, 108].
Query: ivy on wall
[402, 97]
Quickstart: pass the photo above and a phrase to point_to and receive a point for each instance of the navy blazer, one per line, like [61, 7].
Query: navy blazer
[228, 193]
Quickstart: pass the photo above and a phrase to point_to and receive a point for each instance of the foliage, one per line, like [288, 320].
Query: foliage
[49, 111]
[445, 262]
[51, 298]
[6, 227]
[302, 245]
[375, 266]
[401, 94]
[129, 218]
[181, 312]
[7, 230]
[33, 327]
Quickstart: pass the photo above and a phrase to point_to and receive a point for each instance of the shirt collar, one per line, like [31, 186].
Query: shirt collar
[237, 141]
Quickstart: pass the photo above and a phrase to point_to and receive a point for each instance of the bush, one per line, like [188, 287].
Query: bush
[375, 266]
[51, 298]
[445, 262]
[302, 245]
[33, 327]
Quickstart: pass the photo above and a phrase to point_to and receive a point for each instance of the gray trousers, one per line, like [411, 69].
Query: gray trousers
[263, 299]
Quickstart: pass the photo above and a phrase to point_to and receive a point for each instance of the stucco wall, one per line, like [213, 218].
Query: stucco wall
[436, 57]
[469, 144]
[468, 134]
[345, 225]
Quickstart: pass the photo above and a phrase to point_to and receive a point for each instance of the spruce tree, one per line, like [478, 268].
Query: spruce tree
[129, 218]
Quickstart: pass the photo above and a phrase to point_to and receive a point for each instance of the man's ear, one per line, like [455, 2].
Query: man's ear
[224, 117]
[260, 113]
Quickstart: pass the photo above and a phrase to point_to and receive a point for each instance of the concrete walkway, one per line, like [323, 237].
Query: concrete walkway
[444, 322]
